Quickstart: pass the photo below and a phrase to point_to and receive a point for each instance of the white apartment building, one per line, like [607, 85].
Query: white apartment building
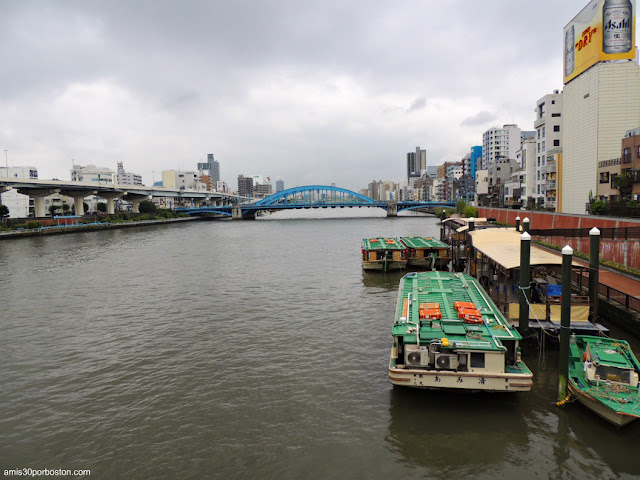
[124, 178]
[526, 159]
[599, 106]
[548, 125]
[91, 174]
[182, 180]
[500, 143]
[20, 206]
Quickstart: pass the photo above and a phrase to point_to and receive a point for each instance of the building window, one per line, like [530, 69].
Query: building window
[556, 128]
[604, 177]
[543, 146]
[543, 131]
[538, 134]
[638, 151]
[556, 143]
[555, 114]
[626, 158]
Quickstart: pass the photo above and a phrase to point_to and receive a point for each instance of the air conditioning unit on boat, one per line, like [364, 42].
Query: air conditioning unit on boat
[446, 361]
[416, 357]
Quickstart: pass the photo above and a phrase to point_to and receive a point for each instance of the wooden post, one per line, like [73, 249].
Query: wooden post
[594, 271]
[525, 281]
[565, 322]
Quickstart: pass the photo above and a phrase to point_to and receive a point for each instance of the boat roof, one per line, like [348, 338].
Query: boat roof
[423, 242]
[608, 351]
[502, 245]
[445, 288]
[382, 243]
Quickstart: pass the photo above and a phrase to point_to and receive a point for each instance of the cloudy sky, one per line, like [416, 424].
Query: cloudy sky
[311, 92]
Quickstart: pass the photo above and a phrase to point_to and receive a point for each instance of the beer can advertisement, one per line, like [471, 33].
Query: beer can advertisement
[603, 30]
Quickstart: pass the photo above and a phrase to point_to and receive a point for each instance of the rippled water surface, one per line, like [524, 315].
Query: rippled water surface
[254, 349]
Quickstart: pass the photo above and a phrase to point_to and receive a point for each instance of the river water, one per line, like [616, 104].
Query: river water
[253, 349]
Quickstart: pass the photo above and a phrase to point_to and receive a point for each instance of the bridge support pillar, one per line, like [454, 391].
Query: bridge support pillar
[135, 205]
[78, 203]
[38, 202]
[236, 212]
[392, 209]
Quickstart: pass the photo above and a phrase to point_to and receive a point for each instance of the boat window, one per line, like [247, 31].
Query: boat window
[613, 374]
[476, 360]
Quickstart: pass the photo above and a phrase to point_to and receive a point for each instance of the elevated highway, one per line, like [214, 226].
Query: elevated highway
[39, 189]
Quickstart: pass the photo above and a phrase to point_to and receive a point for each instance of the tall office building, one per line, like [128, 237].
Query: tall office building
[279, 185]
[211, 168]
[416, 164]
[601, 99]
[474, 160]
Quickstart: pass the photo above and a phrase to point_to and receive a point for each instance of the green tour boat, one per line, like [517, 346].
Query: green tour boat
[383, 254]
[603, 376]
[448, 334]
[427, 252]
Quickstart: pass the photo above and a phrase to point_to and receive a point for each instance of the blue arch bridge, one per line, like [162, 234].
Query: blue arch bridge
[312, 196]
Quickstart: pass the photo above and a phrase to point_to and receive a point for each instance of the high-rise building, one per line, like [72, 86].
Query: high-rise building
[500, 143]
[416, 163]
[211, 168]
[279, 185]
[245, 186]
[474, 160]
[601, 98]
[548, 137]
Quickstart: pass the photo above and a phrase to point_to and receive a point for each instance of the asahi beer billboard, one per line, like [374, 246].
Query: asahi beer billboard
[603, 30]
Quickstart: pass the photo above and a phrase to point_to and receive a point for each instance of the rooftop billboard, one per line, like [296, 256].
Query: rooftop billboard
[603, 30]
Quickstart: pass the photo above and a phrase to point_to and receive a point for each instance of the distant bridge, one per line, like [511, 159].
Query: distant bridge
[312, 196]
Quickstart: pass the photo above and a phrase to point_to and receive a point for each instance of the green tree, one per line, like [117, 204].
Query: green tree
[4, 211]
[52, 209]
[147, 206]
[66, 208]
[102, 207]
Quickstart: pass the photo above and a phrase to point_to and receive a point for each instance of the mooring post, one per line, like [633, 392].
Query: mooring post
[565, 322]
[525, 280]
[525, 224]
[472, 224]
[594, 271]
[518, 223]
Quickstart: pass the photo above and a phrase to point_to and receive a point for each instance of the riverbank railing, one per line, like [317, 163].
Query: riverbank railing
[620, 233]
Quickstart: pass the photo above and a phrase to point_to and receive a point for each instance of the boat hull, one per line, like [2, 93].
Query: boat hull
[384, 266]
[597, 407]
[451, 380]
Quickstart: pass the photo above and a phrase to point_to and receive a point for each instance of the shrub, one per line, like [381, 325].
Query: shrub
[33, 224]
[470, 211]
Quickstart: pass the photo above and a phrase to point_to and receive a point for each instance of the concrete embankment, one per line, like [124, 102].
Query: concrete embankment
[90, 227]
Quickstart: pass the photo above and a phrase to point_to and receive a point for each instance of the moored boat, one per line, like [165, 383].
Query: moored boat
[603, 376]
[448, 334]
[426, 252]
[383, 254]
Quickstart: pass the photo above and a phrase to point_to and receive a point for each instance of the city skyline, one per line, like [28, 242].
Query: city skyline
[318, 93]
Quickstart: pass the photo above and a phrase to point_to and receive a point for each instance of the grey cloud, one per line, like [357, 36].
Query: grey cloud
[418, 104]
[479, 119]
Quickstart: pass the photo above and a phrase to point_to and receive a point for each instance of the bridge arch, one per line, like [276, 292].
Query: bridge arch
[313, 195]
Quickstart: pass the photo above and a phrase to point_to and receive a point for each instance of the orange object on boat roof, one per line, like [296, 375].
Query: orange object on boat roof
[373, 239]
[388, 240]
[459, 305]
[430, 305]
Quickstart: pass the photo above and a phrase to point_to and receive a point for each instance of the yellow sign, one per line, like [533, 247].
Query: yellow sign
[603, 30]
